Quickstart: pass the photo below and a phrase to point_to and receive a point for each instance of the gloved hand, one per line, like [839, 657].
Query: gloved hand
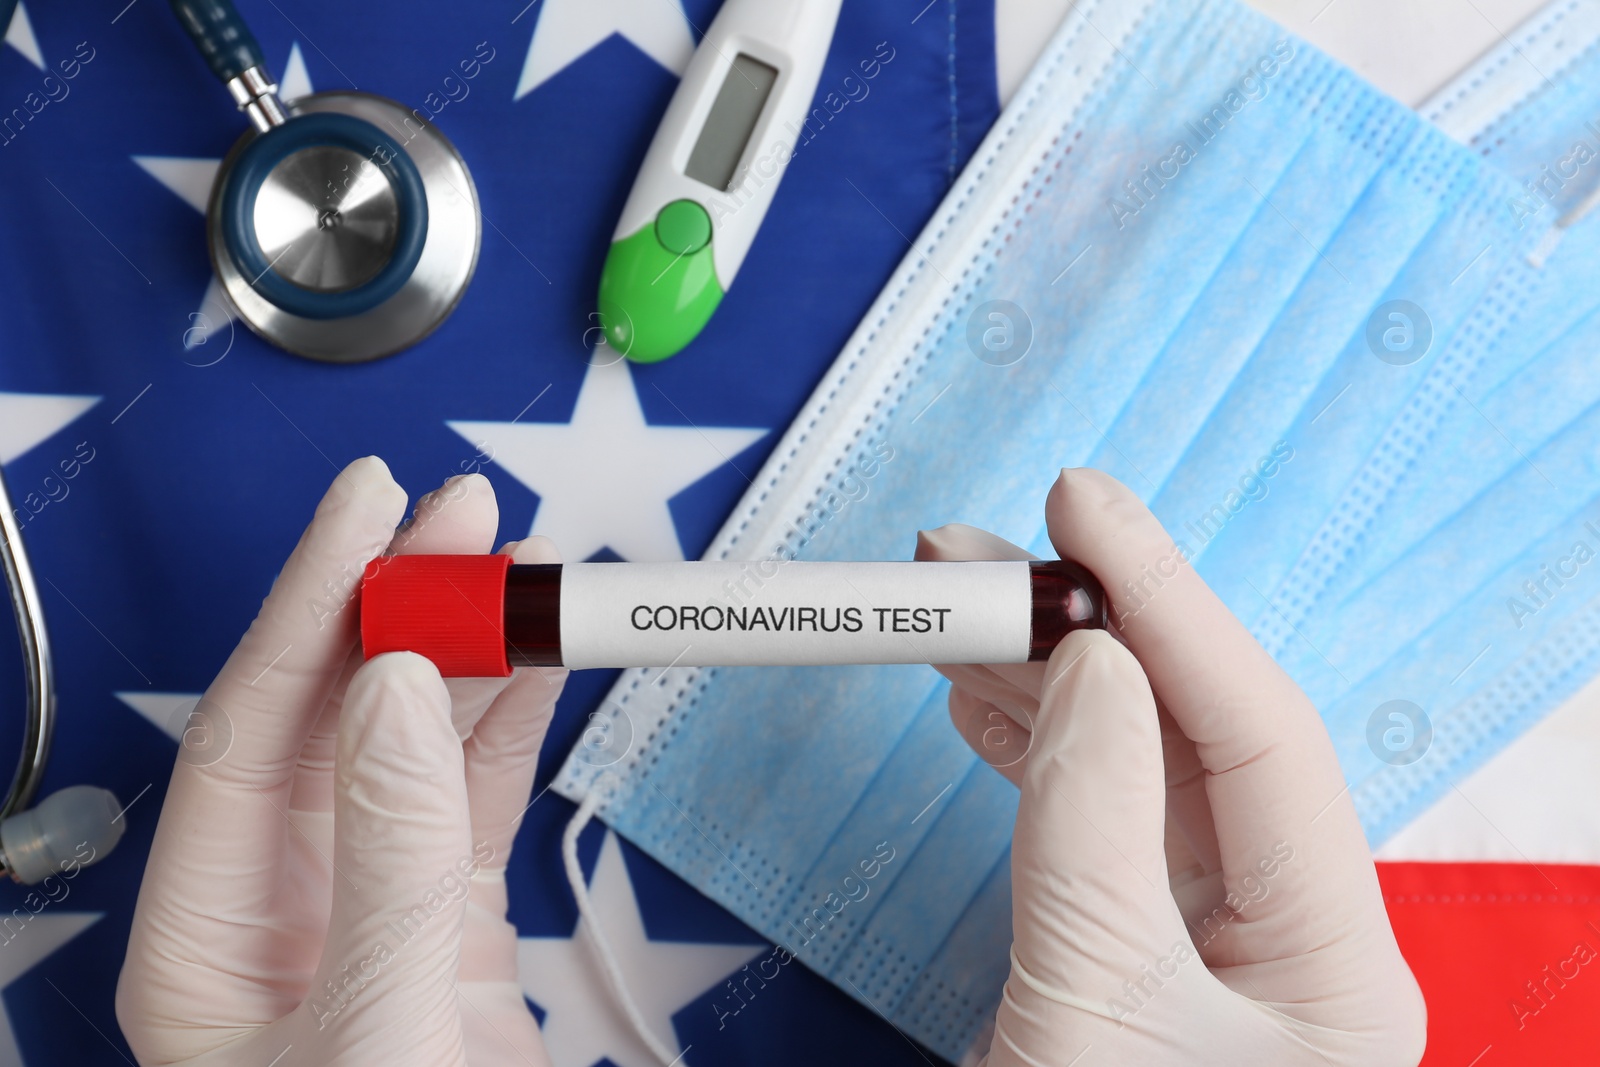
[326, 884]
[1190, 882]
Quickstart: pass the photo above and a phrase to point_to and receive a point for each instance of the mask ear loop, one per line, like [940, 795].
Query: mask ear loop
[598, 793]
[1552, 237]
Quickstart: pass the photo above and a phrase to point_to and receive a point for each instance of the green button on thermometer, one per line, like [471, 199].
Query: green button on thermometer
[659, 286]
[711, 173]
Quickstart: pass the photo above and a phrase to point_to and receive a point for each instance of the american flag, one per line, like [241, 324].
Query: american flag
[163, 460]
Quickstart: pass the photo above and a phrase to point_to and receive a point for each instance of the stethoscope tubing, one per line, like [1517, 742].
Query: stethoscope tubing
[39, 724]
[226, 43]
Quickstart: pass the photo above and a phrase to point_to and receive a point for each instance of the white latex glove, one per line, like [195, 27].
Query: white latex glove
[1190, 882]
[328, 887]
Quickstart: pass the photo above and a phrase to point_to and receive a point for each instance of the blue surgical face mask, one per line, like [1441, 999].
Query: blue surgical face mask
[1548, 138]
[1170, 250]
[1509, 384]
[1456, 572]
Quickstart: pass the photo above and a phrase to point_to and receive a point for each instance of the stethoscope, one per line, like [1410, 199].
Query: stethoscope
[341, 226]
[72, 827]
[75, 826]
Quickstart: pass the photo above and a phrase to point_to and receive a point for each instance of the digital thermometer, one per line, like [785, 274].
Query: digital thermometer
[711, 172]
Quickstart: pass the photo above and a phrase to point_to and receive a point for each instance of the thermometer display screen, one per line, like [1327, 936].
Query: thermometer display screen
[731, 122]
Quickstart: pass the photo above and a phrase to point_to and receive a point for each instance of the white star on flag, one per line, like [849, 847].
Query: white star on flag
[296, 80]
[604, 479]
[568, 29]
[19, 35]
[29, 418]
[169, 712]
[583, 1023]
[34, 940]
[191, 178]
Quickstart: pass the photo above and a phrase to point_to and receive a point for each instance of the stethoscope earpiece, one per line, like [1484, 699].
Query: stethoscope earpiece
[341, 227]
[69, 829]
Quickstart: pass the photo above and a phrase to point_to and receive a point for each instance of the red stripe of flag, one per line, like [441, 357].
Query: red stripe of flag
[1508, 957]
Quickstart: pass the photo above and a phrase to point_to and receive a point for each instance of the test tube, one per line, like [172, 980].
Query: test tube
[480, 616]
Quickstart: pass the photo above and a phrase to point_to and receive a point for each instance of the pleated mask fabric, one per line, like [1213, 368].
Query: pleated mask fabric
[1451, 584]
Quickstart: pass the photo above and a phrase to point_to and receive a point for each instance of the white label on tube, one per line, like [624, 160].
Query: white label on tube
[770, 612]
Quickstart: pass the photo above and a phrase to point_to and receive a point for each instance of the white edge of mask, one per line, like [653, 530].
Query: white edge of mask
[1505, 76]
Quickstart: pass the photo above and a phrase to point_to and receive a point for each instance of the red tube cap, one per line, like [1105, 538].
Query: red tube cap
[450, 609]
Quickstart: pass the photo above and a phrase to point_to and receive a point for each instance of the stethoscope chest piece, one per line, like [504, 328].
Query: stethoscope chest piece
[347, 231]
